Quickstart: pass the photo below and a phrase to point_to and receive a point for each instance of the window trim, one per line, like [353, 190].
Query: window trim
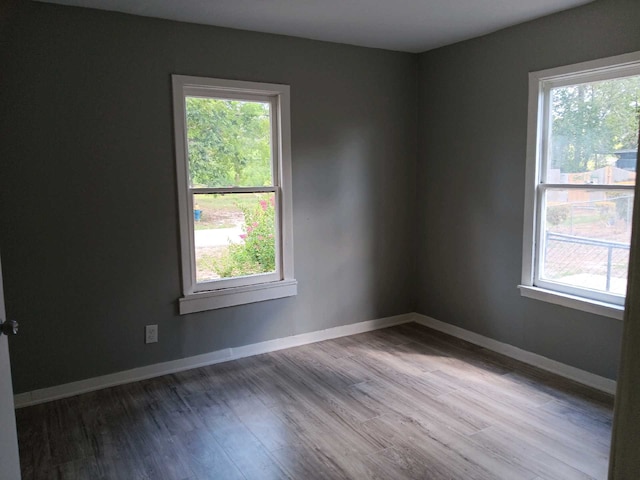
[540, 83]
[239, 290]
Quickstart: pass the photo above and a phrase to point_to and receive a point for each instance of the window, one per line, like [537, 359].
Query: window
[234, 191]
[581, 174]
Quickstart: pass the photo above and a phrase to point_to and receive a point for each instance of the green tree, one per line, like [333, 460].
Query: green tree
[591, 120]
[229, 142]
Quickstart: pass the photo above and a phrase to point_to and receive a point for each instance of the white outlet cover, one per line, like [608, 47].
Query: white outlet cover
[151, 333]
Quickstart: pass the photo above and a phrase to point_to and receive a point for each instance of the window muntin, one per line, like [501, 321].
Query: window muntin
[233, 159]
[581, 202]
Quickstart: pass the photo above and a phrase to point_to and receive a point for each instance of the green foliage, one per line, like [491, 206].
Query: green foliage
[593, 119]
[557, 214]
[229, 142]
[257, 254]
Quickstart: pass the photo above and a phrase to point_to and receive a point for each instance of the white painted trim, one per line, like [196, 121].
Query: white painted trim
[97, 383]
[223, 190]
[57, 392]
[228, 297]
[581, 376]
[534, 132]
[278, 96]
[540, 85]
[185, 204]
[571, 301]
[593, 70]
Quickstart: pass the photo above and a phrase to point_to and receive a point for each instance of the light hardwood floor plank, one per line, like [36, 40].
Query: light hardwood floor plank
[405, 402]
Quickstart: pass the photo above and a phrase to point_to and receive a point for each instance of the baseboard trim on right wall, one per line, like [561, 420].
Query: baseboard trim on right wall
[581, 376]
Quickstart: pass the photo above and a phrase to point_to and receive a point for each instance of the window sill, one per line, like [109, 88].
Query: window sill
[571, 301]
[229, 297]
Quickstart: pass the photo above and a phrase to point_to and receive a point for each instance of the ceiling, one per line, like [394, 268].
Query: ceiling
[403, 25]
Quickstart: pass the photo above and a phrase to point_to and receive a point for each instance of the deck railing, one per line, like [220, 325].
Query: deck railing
[610, 246]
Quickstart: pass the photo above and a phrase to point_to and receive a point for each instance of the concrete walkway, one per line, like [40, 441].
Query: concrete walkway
[217, 237]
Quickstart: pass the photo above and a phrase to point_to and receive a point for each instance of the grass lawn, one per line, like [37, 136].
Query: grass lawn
[205, 261]
[224, 211]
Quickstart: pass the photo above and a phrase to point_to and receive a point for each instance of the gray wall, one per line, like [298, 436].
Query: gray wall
[88, 208]
[473, 121]
[88, 217]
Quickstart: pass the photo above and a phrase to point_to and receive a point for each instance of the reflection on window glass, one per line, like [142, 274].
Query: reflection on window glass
[234, 235]
[594, 132]
[229, 143]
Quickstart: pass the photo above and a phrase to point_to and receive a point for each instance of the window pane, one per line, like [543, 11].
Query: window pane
[229, 143]
[585, 238]
[594, 132]
[234, 235]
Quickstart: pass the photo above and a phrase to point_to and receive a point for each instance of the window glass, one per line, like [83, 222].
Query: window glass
[586, 238]
[229, 142]
[583, 232]
[594, 132]
[234, 235]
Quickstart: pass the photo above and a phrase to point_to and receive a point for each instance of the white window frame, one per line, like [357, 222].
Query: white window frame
[222, 293]
[540, 84]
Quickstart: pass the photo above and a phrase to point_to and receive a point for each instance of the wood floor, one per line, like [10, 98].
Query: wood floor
[400, 403]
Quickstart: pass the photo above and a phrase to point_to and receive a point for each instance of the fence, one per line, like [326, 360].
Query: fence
[567, 255]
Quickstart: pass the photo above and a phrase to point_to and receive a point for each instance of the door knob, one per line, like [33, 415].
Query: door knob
[10, 327]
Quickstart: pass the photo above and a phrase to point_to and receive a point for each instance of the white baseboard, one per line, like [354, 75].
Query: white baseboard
[581, 376]
[90, 384]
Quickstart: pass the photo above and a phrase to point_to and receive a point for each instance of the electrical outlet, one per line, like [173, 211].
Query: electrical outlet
[151, 334]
